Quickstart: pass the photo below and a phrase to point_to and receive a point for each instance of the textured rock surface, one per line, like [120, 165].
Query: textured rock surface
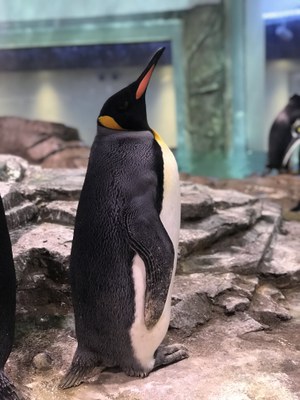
[205, 77]
[234, 303]
[49, 144]
[282, 189]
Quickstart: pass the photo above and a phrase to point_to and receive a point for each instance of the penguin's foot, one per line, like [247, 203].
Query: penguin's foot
[7, 389]
[74, 376]
[138, 373]
[170, 354]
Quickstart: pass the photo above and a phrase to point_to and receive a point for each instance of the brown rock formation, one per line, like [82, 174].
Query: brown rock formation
[48, 144]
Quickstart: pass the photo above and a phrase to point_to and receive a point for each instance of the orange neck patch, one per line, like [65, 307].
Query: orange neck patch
[144, 83]
[110, 123]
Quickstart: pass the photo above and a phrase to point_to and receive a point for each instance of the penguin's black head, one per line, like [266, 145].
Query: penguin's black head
[295, 100]
[126, 109]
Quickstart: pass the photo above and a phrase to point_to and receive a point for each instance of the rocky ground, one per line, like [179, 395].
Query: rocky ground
[283, 189]
[235, 300]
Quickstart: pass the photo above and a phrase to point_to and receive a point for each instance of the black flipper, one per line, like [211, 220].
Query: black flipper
[7, 291]
[7, 389]
[151, 241]
[7, 306]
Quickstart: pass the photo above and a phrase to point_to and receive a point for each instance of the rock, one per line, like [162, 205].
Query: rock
[232, 303]
[68, 156]
[49, 144]
[202, 283]
[189, 311]
[46, 248]
[42, 361]
[230, 291]
[236, 325]
[195, 203]
[12, 168]
[41, 257]
[224, 199]
[44, 185]
[266, 307]
[282, 265]
[213, 285]
[19, 211]
[241, 253]
[282, 189]
[21, 214]
[199, 201]
[60, 212]
[195, 236]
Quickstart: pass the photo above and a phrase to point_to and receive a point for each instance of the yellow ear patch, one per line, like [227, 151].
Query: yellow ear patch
[110, 123]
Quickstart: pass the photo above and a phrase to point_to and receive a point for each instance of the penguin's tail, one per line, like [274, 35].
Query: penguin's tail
[7, 389]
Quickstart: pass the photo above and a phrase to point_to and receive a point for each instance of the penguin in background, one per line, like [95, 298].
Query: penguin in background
[124, 249]
[284, 136]
[7, 306]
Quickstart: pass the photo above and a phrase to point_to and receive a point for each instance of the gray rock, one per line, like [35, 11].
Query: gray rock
[233, 303]
[60, 212]
[266, 307]
[214, 284]
[189, 311]
[18, 210]
[195, 203]
[11, 195]
[21, 214]
[42, 361]
[199, 201]
[41, 255]
[272, 213]
[12, 168]
[224, 199]
[52, 184]
[241, 253]
[241, 324]
[283, 262]
[229, 291]
[202, 283]
[195, 236]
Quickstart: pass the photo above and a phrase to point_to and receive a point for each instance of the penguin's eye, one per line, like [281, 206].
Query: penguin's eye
[295, 131]
[124, 106]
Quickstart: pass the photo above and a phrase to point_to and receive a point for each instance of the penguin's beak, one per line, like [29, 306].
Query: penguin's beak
[144, 79]
[295, 142]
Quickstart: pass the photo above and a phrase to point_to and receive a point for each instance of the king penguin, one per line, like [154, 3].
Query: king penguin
[124, 248]
[284, 136]
[7, 306]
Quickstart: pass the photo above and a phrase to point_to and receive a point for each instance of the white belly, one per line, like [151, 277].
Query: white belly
[146, 341]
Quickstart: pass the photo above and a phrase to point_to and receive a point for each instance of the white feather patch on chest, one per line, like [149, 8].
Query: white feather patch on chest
[146, 341]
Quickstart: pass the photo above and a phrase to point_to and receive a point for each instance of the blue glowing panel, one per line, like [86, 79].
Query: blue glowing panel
[72, 57]
[282, 39]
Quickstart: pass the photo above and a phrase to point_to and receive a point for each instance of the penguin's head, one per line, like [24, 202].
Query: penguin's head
[126, 109]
